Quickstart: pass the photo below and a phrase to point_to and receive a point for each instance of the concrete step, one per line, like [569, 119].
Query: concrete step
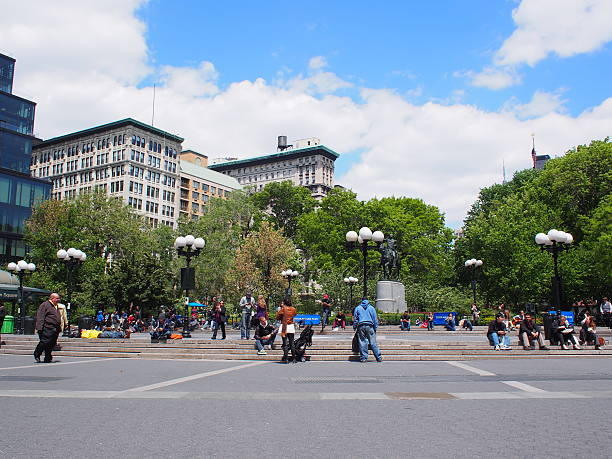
[343, 357]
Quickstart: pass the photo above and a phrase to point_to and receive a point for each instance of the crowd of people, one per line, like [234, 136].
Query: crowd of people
[254, 315]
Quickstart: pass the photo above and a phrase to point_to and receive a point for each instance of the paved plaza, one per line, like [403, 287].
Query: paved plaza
[79, 407]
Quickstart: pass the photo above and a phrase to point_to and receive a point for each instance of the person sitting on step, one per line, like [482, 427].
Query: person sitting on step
[498, 333]
[450, 323]
[564, 332]
[529, 332]
[265, 334]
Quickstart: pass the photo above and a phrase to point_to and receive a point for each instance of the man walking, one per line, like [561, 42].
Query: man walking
[247, 306]
[365, 322]
[325, 311]
[2, 316]
[48, 326]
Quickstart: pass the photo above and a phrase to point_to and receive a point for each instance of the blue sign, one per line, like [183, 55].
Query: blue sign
[307, 319]
[440, 317]
[569, 315]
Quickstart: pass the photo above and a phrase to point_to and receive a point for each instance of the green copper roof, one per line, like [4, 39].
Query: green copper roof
[205, 174]
[275, 156]
[108, 126]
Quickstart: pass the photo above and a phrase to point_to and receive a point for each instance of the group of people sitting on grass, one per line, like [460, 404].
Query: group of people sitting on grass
[530, 333]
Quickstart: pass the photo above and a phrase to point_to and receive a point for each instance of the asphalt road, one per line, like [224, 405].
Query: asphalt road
[132, 408]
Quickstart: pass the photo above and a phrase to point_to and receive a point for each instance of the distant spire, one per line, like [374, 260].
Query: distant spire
[533, 152]
[504, 172]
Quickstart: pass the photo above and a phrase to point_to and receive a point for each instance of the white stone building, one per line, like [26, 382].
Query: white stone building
[127, 159]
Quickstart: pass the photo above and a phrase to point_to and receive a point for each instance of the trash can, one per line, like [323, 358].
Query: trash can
[548, 319]
[28, 327]
[85, 323]
[8, 326]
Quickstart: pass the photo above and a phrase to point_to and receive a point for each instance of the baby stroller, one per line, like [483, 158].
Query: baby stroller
[304, 341]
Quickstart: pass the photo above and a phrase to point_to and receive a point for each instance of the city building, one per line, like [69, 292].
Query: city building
[19, 192]
[200, 184]
[306, 162]
[127, 159]
[539, 161]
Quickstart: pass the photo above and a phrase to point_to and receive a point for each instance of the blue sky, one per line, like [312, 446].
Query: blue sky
[425, 99]
[403, 45]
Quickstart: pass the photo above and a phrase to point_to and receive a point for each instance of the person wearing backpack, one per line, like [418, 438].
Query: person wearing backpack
[365, 321]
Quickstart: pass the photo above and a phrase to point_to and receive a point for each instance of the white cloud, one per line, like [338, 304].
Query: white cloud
[317, 62]
[492, 77]
[542, 103]
[544, 27]
[562, 27]
[199, 81]
[440, 152]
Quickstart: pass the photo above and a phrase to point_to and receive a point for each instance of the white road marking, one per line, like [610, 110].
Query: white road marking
[523, 386]
[52, 365]
[297, 396]
[463, 366]
[192, 377]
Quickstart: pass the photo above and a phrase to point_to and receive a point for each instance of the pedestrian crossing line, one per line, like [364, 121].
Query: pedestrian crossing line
[470, 368]
[523, 386]
[192, 377]
[55, 364]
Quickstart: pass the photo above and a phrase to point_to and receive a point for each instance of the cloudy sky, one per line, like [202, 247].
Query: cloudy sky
[421, 99]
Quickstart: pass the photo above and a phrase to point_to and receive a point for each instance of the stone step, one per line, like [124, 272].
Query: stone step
[315, 349]
[345, 357]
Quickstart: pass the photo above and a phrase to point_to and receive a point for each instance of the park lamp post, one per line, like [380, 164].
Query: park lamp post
[72, 258]
[350, 281]
[361, 241]
[188, 247]
[555, 242]
[472, 264]
[21, 268]
[289, 275]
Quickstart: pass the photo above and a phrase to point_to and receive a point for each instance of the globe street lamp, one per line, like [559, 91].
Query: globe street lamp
[350, 281]
[289, 275]
[188, 247]
[555, 242]
[472, 264]
[361, 241]
[71, 258]
[21, 268]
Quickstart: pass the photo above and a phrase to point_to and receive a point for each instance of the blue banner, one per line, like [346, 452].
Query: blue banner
[440, 317]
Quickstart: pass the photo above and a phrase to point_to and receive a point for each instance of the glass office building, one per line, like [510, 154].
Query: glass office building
[19, 192]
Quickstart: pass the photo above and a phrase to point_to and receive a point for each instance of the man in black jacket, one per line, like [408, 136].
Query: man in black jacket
[529, 332]
[265, 334]
[48, 326]
[498, 335]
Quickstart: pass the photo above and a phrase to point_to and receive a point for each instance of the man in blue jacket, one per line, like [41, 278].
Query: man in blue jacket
[365, 322]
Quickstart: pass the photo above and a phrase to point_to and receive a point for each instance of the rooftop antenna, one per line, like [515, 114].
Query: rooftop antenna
[153, 114]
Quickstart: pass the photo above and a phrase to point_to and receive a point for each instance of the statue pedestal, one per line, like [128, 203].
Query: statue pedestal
[390, 296]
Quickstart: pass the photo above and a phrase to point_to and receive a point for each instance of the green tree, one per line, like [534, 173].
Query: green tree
[284, 203]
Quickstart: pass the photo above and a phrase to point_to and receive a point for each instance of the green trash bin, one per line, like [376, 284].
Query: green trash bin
[8, 326]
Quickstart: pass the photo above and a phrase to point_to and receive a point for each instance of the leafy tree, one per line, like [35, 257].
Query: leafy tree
[100, 226]
[572, 193]
[284, 203]
[260, 261]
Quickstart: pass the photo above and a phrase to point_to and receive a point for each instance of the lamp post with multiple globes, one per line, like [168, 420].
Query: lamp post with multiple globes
[350, 281]
[188, 247]
[72, 258]
[361, 241]
[21, 268]
[472, 264]
[555, 242]
[289, 275]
